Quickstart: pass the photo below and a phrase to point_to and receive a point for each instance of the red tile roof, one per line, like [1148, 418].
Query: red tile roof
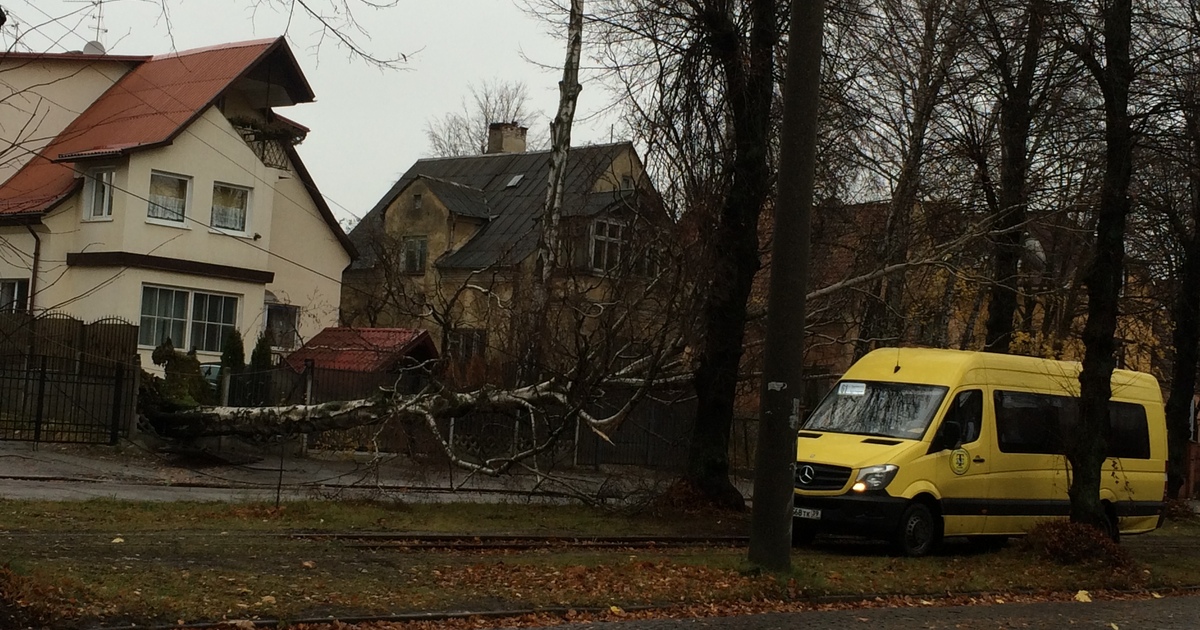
[362, 349]
[146, 108]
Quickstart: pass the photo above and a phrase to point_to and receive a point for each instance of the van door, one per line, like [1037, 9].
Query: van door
[961, 471]
[1029, 473]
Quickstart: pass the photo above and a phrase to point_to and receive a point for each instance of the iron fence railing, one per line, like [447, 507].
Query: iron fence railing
[55, 399]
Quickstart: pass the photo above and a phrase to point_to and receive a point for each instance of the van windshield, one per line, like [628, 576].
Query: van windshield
[896, 410]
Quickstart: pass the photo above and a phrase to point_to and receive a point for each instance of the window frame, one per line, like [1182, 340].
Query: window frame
[103, 177]
[187, 200]
[423, 264]
[293, 335]
[246, 211]
[620, 243]
[189, 322]
[20, 291]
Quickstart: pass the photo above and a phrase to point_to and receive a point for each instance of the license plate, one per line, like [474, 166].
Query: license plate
[806, 513]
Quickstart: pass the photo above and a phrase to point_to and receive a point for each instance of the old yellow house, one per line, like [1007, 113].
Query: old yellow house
[452, 246]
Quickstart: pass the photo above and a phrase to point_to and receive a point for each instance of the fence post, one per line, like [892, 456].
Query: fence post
[114, 433]
[41, 400]
[309, 368]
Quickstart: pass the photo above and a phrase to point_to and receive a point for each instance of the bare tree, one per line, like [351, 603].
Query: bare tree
[465, 132]
[1112, 71]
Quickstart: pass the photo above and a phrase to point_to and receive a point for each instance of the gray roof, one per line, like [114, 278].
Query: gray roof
[458, 198]
[479, 186]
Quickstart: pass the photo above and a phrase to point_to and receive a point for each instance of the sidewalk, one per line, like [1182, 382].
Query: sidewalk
[63, 472]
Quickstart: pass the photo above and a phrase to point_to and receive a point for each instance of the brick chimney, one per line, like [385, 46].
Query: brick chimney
[506, 138]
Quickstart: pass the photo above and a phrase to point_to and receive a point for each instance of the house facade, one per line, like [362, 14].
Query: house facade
[165, 190]
[452, 246]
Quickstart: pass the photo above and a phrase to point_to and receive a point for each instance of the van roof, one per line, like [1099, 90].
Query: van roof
[952, 367]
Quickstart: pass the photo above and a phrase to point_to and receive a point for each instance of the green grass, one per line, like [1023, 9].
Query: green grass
[201, 561]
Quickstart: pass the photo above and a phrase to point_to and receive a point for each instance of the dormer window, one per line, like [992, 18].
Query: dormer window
[98, 194]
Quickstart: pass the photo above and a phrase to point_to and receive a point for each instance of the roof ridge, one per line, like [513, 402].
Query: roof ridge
[452, 183]
[582, 147]
[228, 46]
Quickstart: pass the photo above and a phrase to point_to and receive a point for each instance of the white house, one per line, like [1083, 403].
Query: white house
[165, 190]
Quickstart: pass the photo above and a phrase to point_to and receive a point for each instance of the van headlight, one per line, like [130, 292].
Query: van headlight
[874, 477]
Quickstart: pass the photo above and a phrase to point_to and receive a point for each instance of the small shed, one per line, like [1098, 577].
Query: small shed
[354, 362]
[364, 349]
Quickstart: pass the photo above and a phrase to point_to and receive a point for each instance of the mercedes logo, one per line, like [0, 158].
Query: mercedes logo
[807, 474]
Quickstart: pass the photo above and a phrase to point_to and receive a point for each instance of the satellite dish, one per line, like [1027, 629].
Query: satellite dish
[93, 48]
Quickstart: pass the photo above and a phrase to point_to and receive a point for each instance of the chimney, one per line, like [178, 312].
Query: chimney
[506, 138]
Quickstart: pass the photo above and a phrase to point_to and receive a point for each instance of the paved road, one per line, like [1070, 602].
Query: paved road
[1171, 613]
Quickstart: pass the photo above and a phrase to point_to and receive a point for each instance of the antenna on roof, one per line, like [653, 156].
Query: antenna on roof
[98, 16]
[93, 48]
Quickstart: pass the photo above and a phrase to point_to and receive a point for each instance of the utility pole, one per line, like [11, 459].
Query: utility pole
[779, 411]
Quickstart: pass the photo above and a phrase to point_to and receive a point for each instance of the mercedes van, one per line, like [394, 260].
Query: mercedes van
[915, 444]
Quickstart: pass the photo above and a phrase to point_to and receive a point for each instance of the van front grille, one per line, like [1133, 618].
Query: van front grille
[821, 477]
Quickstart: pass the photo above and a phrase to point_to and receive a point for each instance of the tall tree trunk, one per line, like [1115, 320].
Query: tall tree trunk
[1016, 116]
[749, 78]
[782, 387]
[1086, 448]
[548, 238]
[1186, 336]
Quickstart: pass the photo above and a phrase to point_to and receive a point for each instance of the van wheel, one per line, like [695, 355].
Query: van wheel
[919, 531]
[803, 534]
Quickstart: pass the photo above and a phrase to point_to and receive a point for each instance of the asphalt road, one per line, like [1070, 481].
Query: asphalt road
[1170, 613]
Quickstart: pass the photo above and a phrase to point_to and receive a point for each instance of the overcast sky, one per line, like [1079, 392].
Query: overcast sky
[368, 125]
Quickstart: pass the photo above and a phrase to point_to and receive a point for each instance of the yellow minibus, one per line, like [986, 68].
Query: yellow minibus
[915, 444]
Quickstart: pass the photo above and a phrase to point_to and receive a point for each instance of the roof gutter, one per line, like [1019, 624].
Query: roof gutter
[37, 259]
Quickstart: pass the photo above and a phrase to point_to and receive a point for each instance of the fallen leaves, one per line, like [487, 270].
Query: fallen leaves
[1083, 596]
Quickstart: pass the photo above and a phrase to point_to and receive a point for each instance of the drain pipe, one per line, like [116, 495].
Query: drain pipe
[37, 259]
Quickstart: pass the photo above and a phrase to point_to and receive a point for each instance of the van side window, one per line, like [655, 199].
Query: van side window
[967, 410]
[1040, 423]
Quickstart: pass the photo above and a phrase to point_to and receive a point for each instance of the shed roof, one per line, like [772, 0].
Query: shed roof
[513, 204]
[362, 349]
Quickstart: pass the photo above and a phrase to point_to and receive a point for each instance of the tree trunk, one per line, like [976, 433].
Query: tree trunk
[782, 387]
[1016, 116]
[1186, 337]
[749, 82]
[1086, 448]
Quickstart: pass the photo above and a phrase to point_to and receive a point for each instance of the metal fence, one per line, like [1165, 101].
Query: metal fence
[655, 435]
[55, 399]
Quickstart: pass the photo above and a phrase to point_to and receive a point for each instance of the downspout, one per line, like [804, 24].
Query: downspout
[37, 258]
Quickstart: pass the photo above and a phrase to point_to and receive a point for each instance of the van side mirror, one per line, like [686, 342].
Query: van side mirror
[949, 436]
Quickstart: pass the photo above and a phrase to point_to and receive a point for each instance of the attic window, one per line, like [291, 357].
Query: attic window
[626, 182]
[515, 180]
[416, 202]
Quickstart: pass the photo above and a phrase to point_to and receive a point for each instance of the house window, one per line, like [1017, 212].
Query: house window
[213, 317]
[466, 343]
[229, 207]
[168, 197]
[14, 295]
[416, 203]
[626, 182]
[282, 320]
[608, 239]
[165, 315]
[413, 250]
[98, 191]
